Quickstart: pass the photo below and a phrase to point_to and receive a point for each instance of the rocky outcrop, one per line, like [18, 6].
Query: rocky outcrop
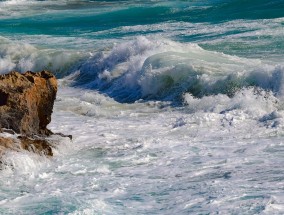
[26, 103]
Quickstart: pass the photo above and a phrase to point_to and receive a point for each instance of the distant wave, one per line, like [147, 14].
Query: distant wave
[23, 57]
[188, 11]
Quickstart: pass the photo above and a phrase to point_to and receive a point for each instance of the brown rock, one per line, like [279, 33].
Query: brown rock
[39, 146]
[8, 143]
[26, 102]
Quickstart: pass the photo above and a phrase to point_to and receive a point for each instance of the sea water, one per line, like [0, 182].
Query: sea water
[175, 107]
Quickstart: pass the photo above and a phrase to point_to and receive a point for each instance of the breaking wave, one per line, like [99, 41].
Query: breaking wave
[160, 69]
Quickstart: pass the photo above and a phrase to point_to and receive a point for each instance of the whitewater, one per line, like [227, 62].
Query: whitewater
[175, 107]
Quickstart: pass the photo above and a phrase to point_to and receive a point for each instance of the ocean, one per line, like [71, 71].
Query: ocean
[175, 107]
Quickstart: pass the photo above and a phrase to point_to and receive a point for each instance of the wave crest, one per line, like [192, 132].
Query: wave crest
[159, 69]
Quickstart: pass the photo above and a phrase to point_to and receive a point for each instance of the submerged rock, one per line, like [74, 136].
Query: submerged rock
[26, 103]
[38, 146]
[8, 143]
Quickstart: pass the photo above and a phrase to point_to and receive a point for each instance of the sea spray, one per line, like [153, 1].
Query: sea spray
[25, 57]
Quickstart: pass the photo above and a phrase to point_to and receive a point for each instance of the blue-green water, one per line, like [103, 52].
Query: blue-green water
[176, 107]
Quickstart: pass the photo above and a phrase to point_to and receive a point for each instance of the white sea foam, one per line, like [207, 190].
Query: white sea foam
[174, 150]
[255, 103]
[126, 156]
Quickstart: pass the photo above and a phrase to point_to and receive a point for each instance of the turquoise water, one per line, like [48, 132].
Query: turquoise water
[176, 107]
[115, 20]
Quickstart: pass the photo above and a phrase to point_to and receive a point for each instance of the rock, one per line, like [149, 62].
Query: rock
[26, 102]
[8, 143]
[38, 146]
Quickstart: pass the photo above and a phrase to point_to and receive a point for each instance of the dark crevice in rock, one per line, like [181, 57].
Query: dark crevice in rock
[3, 98]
